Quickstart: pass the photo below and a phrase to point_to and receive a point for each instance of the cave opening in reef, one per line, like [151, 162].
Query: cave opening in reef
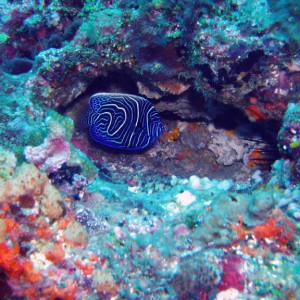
[202, 137]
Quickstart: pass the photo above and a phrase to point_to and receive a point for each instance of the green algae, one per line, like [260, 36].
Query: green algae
[3, 37]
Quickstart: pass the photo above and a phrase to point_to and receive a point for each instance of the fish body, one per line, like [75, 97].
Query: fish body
[123, 121]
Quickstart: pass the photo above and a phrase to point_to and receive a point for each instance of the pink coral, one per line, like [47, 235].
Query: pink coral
[49, 156]
[181, 230]
[233, 276]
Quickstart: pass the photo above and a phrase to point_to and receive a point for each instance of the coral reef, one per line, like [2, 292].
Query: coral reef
[242, 64]
[211, 211]
[29, 185]
[288, 136]
[289, 141]
[105, 284]
[117, 226]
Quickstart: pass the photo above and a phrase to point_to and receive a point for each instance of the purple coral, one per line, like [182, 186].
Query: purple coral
[50, 155]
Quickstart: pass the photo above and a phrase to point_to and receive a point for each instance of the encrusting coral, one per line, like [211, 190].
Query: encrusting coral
[8, 163]
[28, 180]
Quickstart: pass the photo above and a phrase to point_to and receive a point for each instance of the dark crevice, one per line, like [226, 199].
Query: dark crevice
[220, 78]
[116, 81]
[246, 64]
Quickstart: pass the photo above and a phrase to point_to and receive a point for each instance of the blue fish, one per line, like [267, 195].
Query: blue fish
[123, 121]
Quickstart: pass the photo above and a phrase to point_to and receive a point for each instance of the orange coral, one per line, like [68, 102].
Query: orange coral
[8, 259]
[12, 226]
[5, 207]
[44, 233]
[16, 267]
[239, 228]
[31, 218]
[172, 135]
[56, 254]
[253, 100]
[85, 268]
[277, 105]
[31, 275]
[30, 293]
[255, 113]
[68, 293]
[278, 228]
[173, 86]
[179, 156]
[94, 257]
[268, 229]
[105, 283]
[230, 132]
[63, 223]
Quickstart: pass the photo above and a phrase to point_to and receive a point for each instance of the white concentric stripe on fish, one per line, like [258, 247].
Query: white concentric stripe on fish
[124, 120]
[123, 108]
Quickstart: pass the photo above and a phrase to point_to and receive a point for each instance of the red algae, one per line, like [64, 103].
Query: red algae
[9, 258]
[63, 223]
[239, 228]
[278, 228]
[67, 293]
[31, 275]
[16, 267]
[173, 86]
[232, 275]
[12, 227]
[44, 233]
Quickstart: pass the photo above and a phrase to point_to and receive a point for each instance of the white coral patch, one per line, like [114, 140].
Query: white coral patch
[185, 198]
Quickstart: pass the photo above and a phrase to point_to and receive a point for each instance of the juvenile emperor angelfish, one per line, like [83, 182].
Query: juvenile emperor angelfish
[123, 121]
